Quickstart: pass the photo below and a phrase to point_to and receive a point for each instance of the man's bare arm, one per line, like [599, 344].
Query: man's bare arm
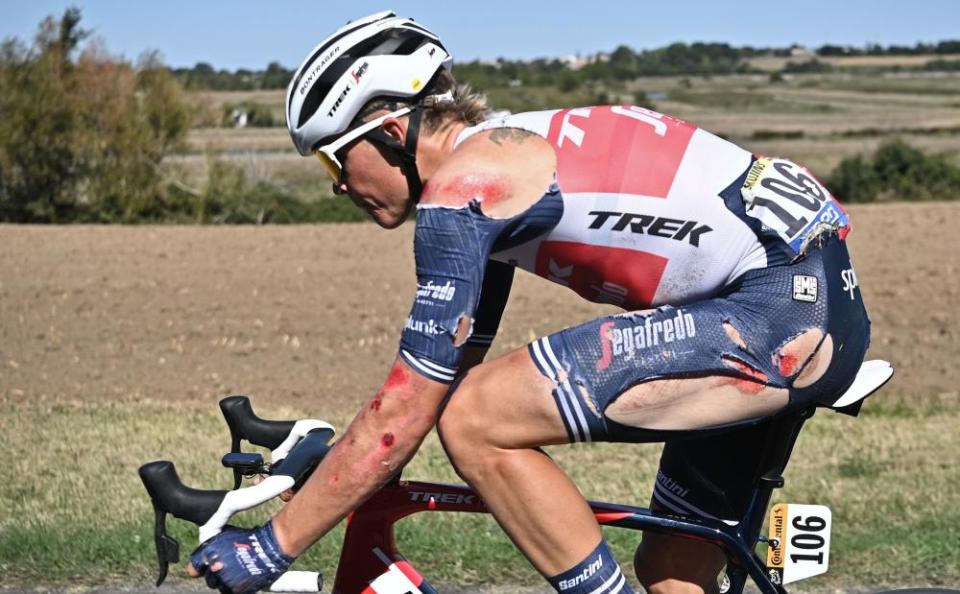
[381, 439]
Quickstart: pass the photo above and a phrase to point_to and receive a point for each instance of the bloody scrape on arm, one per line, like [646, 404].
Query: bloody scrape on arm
[380, 440]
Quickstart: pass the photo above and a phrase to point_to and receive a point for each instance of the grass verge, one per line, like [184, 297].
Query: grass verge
[74, 511]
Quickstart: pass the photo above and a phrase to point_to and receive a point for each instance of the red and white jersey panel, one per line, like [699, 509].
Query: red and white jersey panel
[643, 223]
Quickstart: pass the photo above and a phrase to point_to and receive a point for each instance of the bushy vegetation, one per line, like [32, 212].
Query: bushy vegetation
[949, 46]
[600, 78]
[623, 63]
[942, 65]
[897, 171]
[83, 133]
[812, 65]
[206, 77]
[84, 136]
[232, 196]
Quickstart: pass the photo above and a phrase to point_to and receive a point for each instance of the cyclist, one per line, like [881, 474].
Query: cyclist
[740, 303]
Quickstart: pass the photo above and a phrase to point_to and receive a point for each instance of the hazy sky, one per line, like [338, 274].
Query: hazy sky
[243, 33]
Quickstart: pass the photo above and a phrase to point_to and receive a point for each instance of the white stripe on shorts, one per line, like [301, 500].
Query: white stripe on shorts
[541, 361]
[569, 390]
[562, 395]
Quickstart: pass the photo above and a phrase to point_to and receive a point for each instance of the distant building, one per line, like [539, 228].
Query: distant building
[239, 117]
[575, 61]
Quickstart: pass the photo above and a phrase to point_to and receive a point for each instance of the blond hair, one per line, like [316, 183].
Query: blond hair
[466, 106]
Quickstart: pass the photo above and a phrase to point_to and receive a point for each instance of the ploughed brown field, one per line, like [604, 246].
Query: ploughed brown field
[309, 316]
[117, 342]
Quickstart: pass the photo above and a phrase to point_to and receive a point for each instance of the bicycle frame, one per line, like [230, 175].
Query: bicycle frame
[369, 545]
[369, 534]
[369, 560]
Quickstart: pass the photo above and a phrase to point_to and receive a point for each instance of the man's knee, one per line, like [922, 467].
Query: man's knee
[461, 424]
[667, 564]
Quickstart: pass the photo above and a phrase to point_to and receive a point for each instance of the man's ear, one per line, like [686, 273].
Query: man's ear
[396, 128]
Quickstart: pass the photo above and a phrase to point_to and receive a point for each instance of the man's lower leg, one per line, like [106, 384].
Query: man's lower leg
[598, 573]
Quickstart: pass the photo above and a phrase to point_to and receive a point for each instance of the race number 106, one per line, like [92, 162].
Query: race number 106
[805, 537]
[802, 537]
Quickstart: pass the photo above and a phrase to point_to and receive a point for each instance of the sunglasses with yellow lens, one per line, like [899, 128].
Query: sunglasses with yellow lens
[332, 166]
[328, 152]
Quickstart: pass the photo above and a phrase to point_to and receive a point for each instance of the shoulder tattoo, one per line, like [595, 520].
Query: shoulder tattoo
[516, 135]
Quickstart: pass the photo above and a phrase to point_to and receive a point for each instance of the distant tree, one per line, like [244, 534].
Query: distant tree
[900, 50]
[832, 50]
[275, 76]
[623, 62]
[942, 65]
[40, 125]
[82, 138]
[810, 66]
[951, 46]
[640, 99]
[748, 51]
[897, 171]
[568, 82]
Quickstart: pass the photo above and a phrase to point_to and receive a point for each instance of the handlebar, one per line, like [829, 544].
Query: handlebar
[298, 447]
[279, 436]
[169, 494]
[168, 491]
[245, 424]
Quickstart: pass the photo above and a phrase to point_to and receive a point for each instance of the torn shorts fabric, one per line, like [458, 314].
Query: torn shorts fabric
[594, 363]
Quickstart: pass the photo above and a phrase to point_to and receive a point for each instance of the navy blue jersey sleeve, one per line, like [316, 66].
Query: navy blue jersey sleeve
[460, 292]
[450, 250]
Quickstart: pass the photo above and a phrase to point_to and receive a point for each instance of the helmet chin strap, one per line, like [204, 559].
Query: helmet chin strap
[406, 151]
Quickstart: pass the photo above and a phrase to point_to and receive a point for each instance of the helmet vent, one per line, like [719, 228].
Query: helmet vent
[392, 59]
[423, 30]
[316, 54]
[396, 42]
[312, 101]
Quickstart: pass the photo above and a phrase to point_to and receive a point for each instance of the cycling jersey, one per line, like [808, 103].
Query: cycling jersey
[645, 210]
[642, 223]
[649, 211]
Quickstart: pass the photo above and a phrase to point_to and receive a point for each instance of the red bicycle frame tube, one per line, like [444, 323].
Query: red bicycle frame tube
[370, 528]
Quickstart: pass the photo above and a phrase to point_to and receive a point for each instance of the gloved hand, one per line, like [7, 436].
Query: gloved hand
[240, 560]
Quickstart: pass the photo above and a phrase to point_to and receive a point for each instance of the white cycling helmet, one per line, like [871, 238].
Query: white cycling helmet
[381, 55]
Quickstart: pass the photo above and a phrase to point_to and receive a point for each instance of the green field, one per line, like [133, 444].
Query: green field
[76, 513]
